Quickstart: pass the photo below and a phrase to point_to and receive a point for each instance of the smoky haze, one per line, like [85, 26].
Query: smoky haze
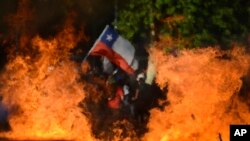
[26, 18]
[49, 15]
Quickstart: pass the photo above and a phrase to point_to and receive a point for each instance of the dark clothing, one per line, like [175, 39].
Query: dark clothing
[4, 124]
[144, 100]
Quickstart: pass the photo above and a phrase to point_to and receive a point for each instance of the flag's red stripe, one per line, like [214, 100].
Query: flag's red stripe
[103, 50]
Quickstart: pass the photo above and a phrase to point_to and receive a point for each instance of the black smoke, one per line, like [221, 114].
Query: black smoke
[46, 18]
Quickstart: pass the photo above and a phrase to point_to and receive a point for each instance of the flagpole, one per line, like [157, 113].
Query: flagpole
[85, 58]
[115, 13]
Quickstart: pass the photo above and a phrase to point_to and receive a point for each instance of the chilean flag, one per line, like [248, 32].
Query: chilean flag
[115, 48]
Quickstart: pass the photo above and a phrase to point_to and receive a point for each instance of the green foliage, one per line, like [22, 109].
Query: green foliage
[135, 19]
[202, 22]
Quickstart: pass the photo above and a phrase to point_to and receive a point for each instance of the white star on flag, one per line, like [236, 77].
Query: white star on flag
[109, 37]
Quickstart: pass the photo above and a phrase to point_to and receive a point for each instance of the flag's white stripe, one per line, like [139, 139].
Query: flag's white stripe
[135, 64]
[124, 48]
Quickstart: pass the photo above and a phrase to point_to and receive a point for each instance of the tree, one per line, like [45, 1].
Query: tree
[136, 19]
[202, 22]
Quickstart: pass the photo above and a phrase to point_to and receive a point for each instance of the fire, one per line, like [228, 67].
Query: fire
[42, 91]
[204, 87]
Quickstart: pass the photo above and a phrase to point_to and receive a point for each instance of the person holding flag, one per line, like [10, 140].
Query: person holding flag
[117, 51]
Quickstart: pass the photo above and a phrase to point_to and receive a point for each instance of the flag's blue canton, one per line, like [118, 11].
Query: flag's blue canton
[109, 36]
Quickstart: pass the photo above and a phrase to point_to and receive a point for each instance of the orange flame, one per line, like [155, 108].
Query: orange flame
[203, 94]
[42, 91]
